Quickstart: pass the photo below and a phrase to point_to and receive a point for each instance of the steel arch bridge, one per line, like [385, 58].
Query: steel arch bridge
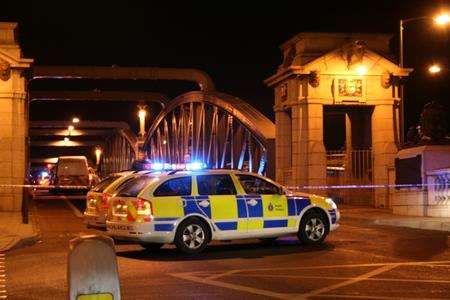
[215, 128]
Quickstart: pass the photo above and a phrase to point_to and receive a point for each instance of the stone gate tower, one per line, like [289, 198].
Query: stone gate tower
[13, 118]
[336, 111]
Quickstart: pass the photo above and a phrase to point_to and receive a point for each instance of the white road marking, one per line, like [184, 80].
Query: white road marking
[73, 208]
[377, 297]
[231, 286]
[3, 293]
[348, 282]
[216, 276]
[322, 292]
[346, 278]
[439, 265]
[412, 263]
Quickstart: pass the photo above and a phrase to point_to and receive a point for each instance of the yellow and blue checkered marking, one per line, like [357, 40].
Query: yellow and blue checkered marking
[233, 212]
[333, 215]
[191, 206]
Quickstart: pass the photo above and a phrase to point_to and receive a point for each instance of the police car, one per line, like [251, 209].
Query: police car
[191, 208]
[98, 197]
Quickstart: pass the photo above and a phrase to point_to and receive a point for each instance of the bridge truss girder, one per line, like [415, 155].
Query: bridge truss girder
[214, 128]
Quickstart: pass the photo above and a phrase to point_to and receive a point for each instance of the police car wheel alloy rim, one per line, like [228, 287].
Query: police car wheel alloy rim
[315, 229]
[193, 236]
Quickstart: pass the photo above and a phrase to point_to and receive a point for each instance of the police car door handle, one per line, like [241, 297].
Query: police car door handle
[204, 203]
[252, 202]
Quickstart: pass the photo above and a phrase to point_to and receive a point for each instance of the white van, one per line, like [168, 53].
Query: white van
[71, 174]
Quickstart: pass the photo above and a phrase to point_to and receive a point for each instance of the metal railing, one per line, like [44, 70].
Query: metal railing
[350, 167]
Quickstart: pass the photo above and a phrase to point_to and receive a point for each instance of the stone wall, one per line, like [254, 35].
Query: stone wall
[13, 118]
[433, 198]
[315, 67]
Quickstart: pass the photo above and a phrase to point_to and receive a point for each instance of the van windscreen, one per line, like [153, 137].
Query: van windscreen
[72, 167]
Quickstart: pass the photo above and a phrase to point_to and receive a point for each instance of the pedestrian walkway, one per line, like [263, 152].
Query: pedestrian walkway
[385, 217]
[15, 234]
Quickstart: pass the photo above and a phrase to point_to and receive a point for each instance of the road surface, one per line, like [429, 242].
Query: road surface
[359, 261]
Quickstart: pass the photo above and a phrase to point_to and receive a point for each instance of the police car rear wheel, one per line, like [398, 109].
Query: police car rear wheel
[313, 229]
[191, 237]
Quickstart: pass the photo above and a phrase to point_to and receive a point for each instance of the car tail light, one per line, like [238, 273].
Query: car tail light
[144, 209]
[91, 203]
[105, 200]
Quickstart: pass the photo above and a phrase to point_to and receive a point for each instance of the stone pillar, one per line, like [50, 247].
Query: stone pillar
[13, 118]
[308, 150]
[283, 144]
[384, 148]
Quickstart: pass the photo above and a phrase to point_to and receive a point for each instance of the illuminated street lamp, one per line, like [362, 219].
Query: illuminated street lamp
[142, 114]
[66, 141]
[441, 20]
[98, 155]
[75, 120]
[435, 68]
[70, 128]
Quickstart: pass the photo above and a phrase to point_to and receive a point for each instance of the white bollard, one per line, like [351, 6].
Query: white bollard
[92, 269]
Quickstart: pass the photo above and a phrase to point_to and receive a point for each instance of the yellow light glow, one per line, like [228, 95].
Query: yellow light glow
[142, 113]
[442, 19]
[75, 120]
[164, 142]
[361, 70]
[98, 154]
[433, 69]
[70, 127]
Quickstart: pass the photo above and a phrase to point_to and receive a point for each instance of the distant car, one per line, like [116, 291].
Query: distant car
[71, 175]
[191, 208]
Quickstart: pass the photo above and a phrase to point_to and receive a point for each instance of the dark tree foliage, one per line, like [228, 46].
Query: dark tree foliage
[433, 121]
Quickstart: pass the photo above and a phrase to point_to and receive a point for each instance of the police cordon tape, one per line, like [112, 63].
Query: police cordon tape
[46, 187]
[300, 187]
[365, 186]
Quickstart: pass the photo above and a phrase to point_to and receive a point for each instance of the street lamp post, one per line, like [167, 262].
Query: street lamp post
[142, 114]
[441, 19]
[98, 154]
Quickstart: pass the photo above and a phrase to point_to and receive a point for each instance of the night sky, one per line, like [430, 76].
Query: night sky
[236, 44]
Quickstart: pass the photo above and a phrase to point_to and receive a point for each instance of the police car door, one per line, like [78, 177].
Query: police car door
[267, 207]
[226, 214]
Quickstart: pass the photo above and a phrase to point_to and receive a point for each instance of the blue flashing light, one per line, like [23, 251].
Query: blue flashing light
[157, 166]
[192, 166]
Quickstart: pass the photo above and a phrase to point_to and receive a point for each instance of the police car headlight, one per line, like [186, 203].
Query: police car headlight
[331, 203]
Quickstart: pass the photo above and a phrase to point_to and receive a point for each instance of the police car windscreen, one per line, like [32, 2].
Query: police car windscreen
[133, 187]
[105, 183]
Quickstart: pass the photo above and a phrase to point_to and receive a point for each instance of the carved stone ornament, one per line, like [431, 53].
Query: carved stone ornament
[353, 53]
[5, 70]
[314, 78]
[387, 80]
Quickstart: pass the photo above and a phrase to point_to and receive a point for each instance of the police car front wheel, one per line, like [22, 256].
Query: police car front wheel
[192, 236]
[313, 229]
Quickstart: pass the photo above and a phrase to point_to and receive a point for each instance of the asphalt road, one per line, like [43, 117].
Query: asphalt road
[359, 261]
